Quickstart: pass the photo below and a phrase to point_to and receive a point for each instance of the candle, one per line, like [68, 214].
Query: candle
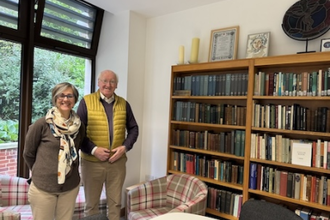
[194, 50]
[181, 55]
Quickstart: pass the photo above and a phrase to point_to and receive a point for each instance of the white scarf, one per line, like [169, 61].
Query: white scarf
[67, 130]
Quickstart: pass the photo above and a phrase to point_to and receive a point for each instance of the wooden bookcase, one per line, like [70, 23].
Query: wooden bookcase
[185, 126]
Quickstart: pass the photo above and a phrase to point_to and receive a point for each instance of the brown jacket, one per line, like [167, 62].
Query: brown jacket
[41, 153]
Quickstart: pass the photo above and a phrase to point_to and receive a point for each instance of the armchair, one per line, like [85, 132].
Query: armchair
[172, 193]
[14, 204]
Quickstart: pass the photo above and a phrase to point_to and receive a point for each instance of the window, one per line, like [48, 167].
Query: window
[42, 43]
[51, 68]
[10, 68]
[69, 21]
[9, 13]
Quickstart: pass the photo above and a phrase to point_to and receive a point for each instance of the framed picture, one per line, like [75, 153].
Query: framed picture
[257, 45]
[325, 44]
[223, 44]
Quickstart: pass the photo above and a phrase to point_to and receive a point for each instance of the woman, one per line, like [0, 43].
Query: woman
[51, 153]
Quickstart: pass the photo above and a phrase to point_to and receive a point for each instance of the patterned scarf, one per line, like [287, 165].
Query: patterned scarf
[67, 130]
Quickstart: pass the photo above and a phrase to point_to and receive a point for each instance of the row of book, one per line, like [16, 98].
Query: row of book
[229, 84]
[232, 142]
[293, 151]
[291, 117]
[305, 187]
[224, 201]
[202, 165]
[308, 214]
[209, 113]
[315, 83]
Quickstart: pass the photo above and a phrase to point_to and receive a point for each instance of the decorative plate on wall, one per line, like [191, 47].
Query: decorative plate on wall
[307, 19]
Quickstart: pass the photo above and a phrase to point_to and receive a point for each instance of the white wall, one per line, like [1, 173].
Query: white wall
[148, 87]
[122, 49]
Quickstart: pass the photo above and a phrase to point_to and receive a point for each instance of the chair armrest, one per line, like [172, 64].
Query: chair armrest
[196, 205]
[10, 215]
[150, 194]
[14, 191]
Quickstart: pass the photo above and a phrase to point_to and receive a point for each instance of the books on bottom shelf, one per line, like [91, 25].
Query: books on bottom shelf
[224, 201]
[307, 214]
[300, 186]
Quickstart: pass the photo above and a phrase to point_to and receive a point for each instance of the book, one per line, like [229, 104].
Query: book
[302, 154]
[236, 204]
[283, 183]
[228, 202]
[253, 176]
[277, 181]
[305, 213]
[289, 187]
[297, 184]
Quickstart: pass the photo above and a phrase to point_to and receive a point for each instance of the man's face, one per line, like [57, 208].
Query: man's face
[107, 83]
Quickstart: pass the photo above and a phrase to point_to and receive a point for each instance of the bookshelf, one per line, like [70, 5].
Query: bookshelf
[218, 109]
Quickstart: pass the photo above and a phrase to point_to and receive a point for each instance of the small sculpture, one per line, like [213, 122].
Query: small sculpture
[306, 20]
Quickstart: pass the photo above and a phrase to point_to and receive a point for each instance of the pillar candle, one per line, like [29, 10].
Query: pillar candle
[194, 50]
[181, 55]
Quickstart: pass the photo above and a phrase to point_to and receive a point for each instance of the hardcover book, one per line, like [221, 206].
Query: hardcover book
[302, 154]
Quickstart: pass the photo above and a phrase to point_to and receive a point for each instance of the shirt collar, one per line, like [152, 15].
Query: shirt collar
[108, 100]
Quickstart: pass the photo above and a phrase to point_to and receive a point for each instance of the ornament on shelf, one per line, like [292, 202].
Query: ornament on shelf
[181, 55]
[306, 20]
[194, 50]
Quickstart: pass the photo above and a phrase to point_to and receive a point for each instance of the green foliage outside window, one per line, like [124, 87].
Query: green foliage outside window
[50, 68]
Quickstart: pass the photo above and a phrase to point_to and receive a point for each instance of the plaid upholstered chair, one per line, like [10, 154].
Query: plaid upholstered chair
[172, 193]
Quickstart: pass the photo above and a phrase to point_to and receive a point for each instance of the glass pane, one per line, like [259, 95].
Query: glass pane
[10, 68]
[69, 21]
[51, 68]
[9, 13]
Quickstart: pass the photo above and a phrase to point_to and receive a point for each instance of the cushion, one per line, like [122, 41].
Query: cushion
[183, 188]
[148, 213]
[151, 194]
[10, 215]
[24, 211]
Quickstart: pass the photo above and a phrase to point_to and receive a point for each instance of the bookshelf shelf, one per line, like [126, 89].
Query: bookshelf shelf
[203, 125]
[211, 97]
[208, 152]
[291, 166]
[219, 214]
[290, 200]
[292, 132]
[246, 94]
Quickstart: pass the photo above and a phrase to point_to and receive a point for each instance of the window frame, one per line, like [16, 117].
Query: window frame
[30, 40]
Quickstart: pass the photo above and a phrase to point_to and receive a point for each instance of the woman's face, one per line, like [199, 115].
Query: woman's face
[65, 102]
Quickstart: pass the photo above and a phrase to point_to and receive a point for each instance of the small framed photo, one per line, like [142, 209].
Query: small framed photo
[223, 44]
[257, 45]
[325, 44]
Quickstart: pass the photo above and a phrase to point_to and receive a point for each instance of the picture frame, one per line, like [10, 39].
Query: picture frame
[223, 44]
[257, 45]
[325, 45]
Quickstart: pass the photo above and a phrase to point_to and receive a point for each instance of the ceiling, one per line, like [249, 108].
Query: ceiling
[149, 8]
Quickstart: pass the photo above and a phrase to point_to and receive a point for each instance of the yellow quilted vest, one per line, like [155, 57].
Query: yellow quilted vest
[97, 127]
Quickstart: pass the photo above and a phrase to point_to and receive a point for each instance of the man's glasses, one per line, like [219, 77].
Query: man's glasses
[62, 96]
[112, 82]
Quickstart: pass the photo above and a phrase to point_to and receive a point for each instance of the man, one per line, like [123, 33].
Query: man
[107, 117]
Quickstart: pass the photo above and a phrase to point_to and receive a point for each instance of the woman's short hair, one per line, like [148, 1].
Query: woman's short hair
[59, 88]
